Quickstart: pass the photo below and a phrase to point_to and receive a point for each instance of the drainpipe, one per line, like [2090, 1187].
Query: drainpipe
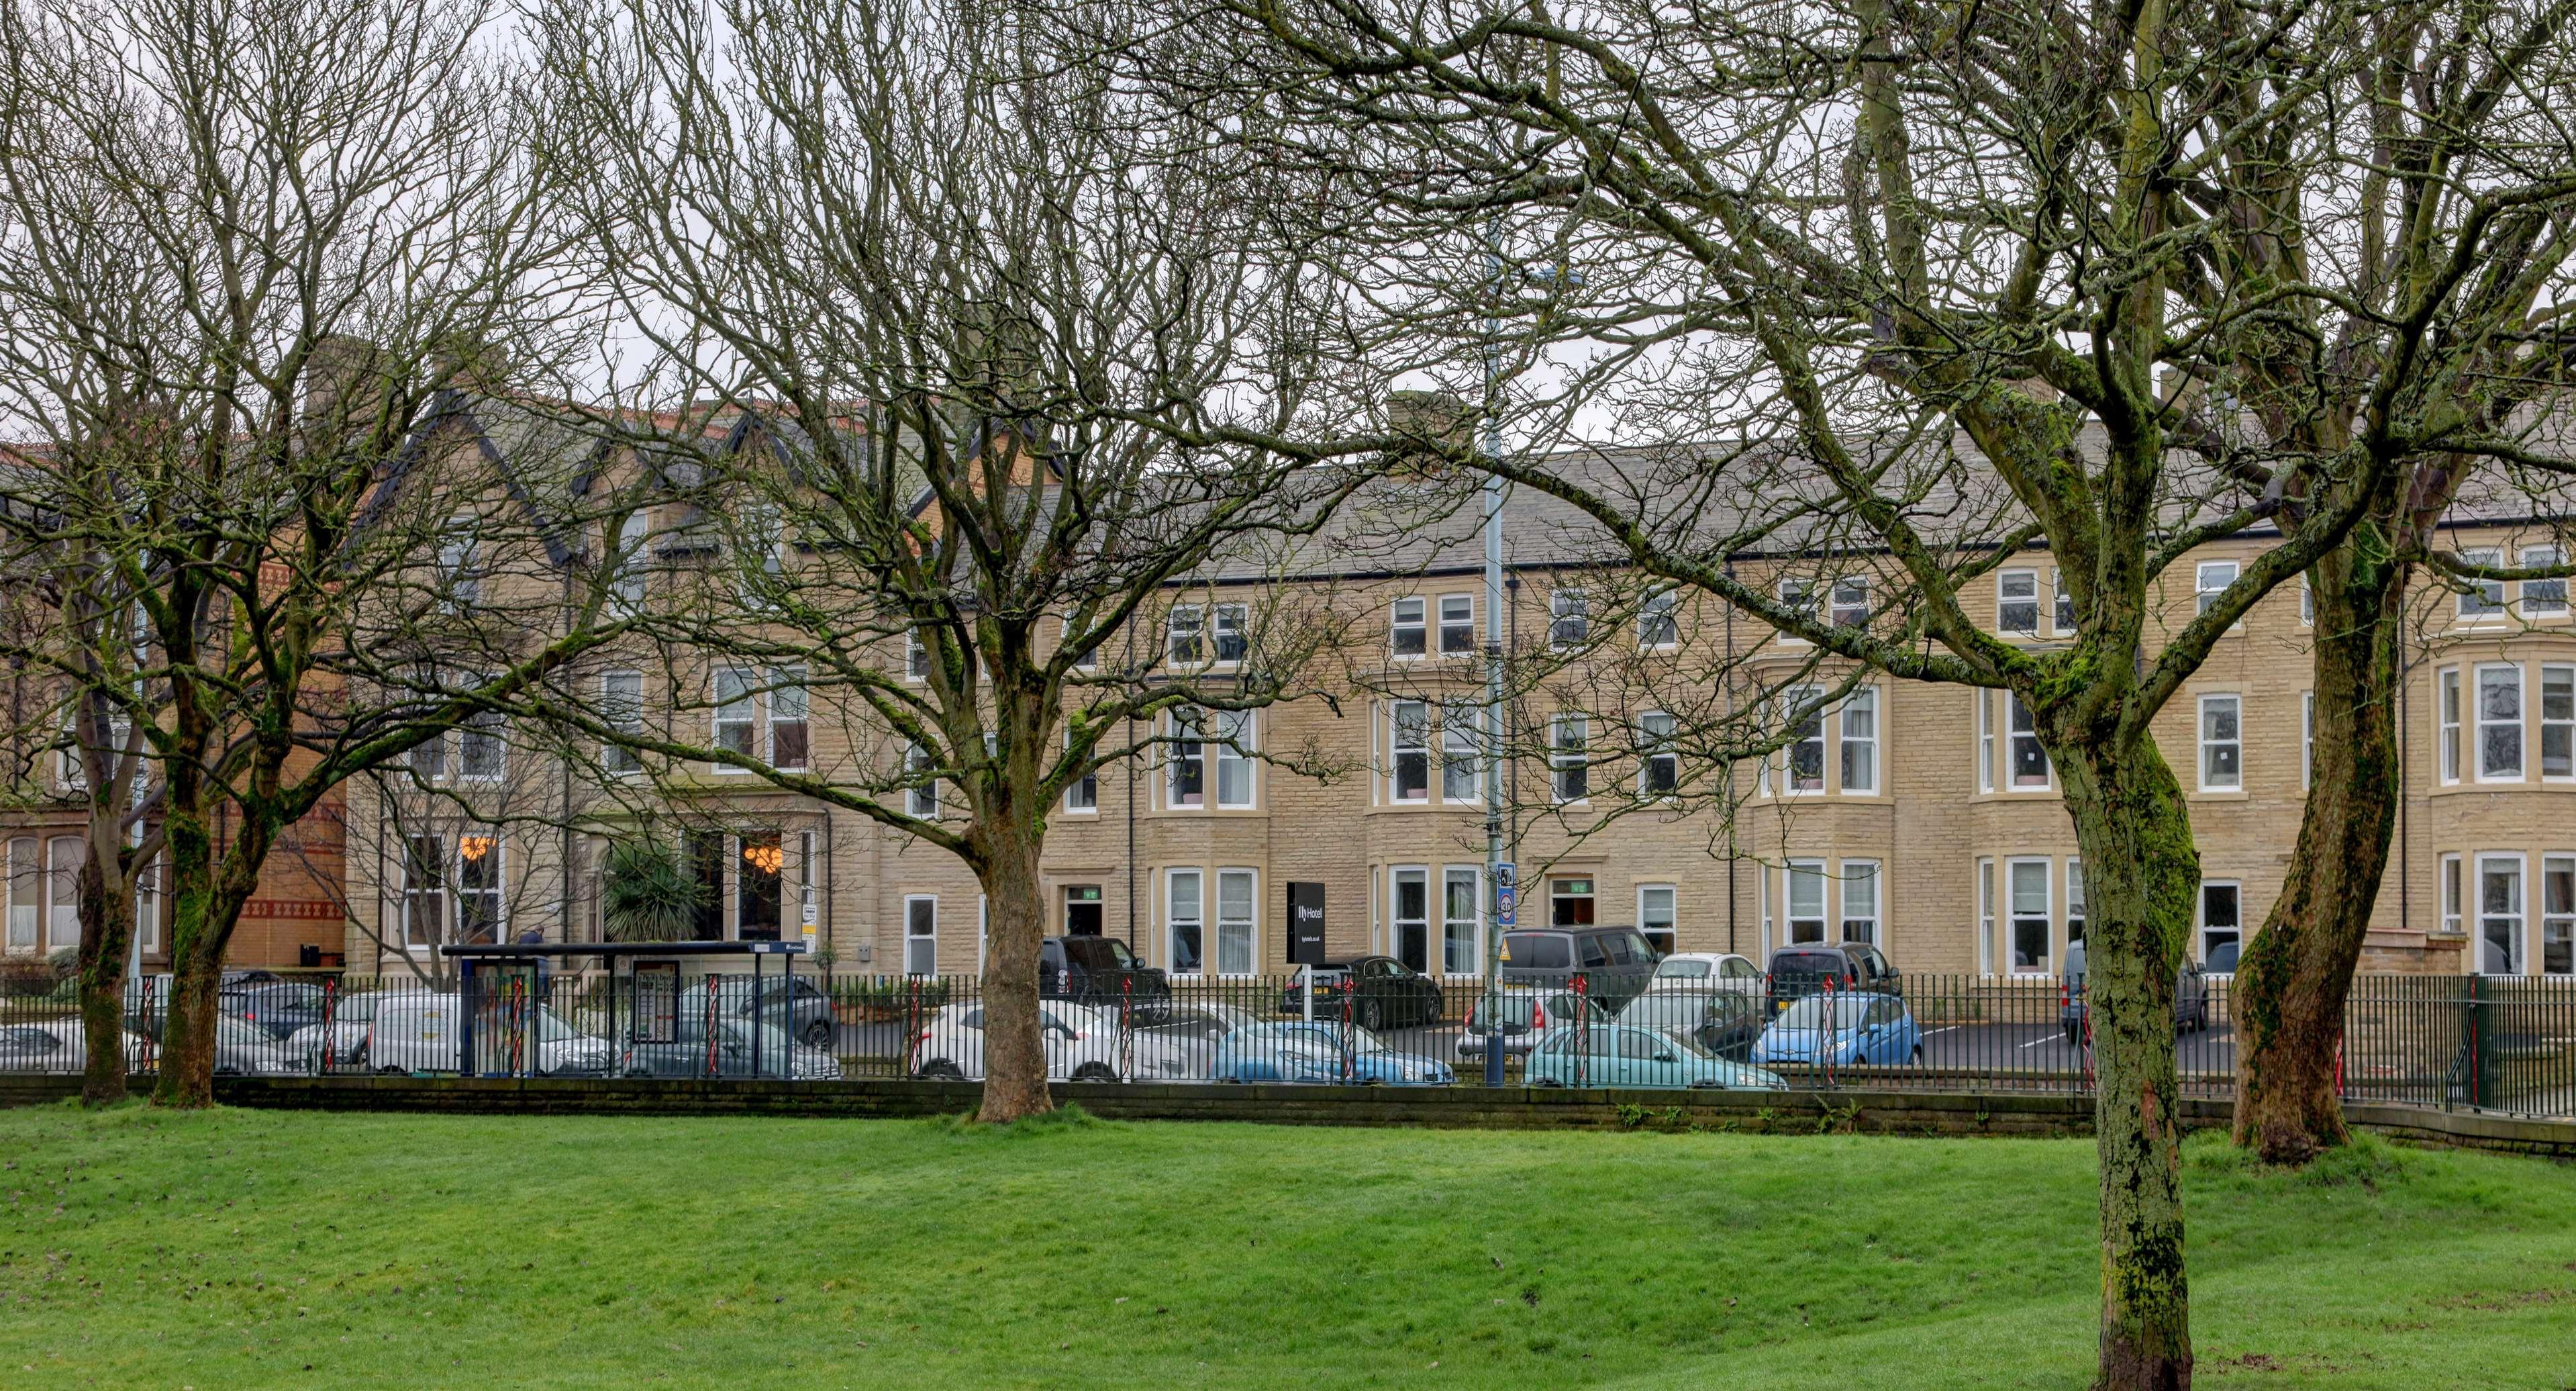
[1731, 848]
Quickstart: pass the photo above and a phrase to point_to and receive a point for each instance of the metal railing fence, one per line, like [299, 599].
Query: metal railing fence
[2505, 1044]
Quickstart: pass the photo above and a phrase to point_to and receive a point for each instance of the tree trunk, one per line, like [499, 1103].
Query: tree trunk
[107, 932]
[1015, 1064]
[2291, 983]
[2140, 874]
[206, 897]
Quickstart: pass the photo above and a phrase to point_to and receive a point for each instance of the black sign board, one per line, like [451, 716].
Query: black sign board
[1305, 924]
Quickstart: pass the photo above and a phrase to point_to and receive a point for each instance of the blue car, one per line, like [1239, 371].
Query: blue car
[1320, 1052]
[1628, 1055]
[1842, 1029]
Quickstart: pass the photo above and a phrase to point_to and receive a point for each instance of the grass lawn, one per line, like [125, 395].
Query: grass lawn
[244, 1248]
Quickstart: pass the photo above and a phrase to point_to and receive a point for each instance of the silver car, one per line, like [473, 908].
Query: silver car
[1082, 1045]
[60, 1045]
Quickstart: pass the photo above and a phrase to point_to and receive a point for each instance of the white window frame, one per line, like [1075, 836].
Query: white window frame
[147, 908]
[1462, 746]
[916, 656]
[2450, 734]
[2520, 722]
[920, 800]
[1656, 747]
[2449, 885]
[1569, 618]
[1418, 626]
[2480, 601]
[720, 718]
[2026, 581]
[628, 573]
[1646, 927]
[2518, 916]
[1463, 621]
[1230, 626]
[1473, 876]
[1792, 699]
[1862, 701]
[64, 856]
[2077, 915]
[1985, 745]
[2201, 927]
[2215, 707]
[1793, 873]
[1173, 918]
[1408, 747]
[1985, 915]
[1232, 752]
[623, 714]
[1395, 922]
[1797, 594]
[1848, 602]
[1082, 795]
[2061, 604]
[1851, 874]
[1192, 632]
[2013, 915]
[1249, 922]
[2013, 736]
[920, 948]
[2307, 602]
[2562, 725]
[2557, 914]
[1185, 746]
[787, 685]
[1560, 761]
[2206, 587]
[1659, 621]
[2551, 602]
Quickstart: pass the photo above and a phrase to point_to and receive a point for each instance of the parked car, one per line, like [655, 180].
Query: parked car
[1100, 971]
[417, 1032]
[241, 1047]
[1081, 1041]
[1802, 970]
[60, 1045]
[1298, 1051]
[1382, 992]
[1706, 970]
[1615, 962]
[278, 1007]
[733, 1052]
[1194, 1028]
[1724, 1022]
[345, 1035]
[792, 1003]
[1842, 1029]
[2191, 996]
[1628, 1055]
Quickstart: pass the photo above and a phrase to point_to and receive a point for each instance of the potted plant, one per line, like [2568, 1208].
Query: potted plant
[647, 895]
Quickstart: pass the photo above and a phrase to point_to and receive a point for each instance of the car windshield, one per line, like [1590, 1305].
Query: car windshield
[1658, 1010]
[552, 1029]
[1536, 951]
[1807, 964]
[1679, 969]
[1821, 1011]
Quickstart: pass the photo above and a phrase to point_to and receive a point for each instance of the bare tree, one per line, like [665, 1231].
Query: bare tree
[259, 248]
[1934, 286]
[949, 296]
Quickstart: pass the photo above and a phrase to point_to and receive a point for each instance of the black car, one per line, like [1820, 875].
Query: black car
[1381, 992]
[690, 1054]
[1100, 971]
[1615, 962]
[1808, 967]
[2191, 994]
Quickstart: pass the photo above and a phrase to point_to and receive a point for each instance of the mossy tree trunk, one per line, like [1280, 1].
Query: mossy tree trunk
[107, 936]
[2291, 985]
[2140, 874]
[1015, 1065]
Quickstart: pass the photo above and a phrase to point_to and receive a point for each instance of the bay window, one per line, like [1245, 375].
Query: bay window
[736, 717]
[1235, 897]
[2029, 756]
[1860, 901]
[1234, 759]
[1409, 751]
[1803, 891]
[2558, 915]
[2500, 722]
[1802, 751]
[2558, 721]
[1410, 918]
[1185, 759]
[2446, 715]
[2026, 883]
[1859, 746]
[1462, 917]
[1184, 920]
[2499, 944]
[1461, 753]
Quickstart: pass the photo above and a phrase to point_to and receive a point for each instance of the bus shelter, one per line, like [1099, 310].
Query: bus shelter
[503, 986]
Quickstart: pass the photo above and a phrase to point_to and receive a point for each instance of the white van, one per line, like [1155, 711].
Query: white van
[420, 1033]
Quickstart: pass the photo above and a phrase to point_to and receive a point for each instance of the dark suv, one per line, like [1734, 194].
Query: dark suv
[1803, 970]
[1615, 962]
[1100, 971]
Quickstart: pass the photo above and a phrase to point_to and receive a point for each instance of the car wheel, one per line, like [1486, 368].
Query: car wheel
[1094, 1072]
[1918, 1055]
[2074, 1034]
[819, 1033]
[941, 1069]
[1545, 1082]
[390, 1072]
[1372, 1016]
